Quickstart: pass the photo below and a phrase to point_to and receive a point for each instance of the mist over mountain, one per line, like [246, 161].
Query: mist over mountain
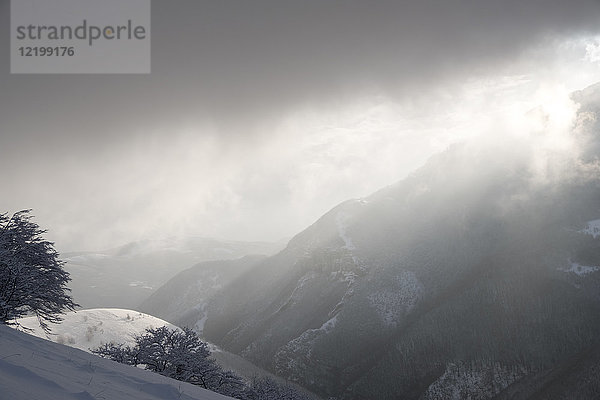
[478, 275]
[184, 298]
[434, 168]
[126, 275]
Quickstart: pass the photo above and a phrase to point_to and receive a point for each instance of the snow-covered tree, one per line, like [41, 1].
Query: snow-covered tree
[182, 355]
[32, 278]
[268, 389]
[178, 354]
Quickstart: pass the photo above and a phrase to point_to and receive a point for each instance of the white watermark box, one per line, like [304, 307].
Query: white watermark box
[80, 36]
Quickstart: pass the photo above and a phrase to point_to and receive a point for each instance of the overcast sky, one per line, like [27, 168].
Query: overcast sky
[259, 116]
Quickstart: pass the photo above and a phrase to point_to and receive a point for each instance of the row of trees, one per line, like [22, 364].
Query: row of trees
[181, 355]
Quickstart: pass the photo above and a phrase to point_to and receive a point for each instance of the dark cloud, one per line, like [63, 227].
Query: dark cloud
[235, 64]
[234, 60]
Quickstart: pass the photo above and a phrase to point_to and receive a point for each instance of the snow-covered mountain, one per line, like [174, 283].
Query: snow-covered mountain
[35, 369]
[125, 276]
[477, 276]
[88, 329]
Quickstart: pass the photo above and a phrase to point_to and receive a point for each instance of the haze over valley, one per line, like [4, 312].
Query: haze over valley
[310, 200]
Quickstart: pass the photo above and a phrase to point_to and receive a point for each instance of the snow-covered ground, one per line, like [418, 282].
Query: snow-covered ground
[36, 369]
[88, 329]
[592, 228]
[398, 298]
[580, 270]
[483, 381]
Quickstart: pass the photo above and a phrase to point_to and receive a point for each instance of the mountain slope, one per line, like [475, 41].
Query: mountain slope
[35, 369]
[183, 299]
[125, 276]
[478, 272]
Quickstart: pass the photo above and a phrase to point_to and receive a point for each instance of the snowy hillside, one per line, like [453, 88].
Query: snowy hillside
[88, 329]
[36, 369]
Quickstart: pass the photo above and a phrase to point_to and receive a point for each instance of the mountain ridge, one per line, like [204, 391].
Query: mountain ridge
[467, 271]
